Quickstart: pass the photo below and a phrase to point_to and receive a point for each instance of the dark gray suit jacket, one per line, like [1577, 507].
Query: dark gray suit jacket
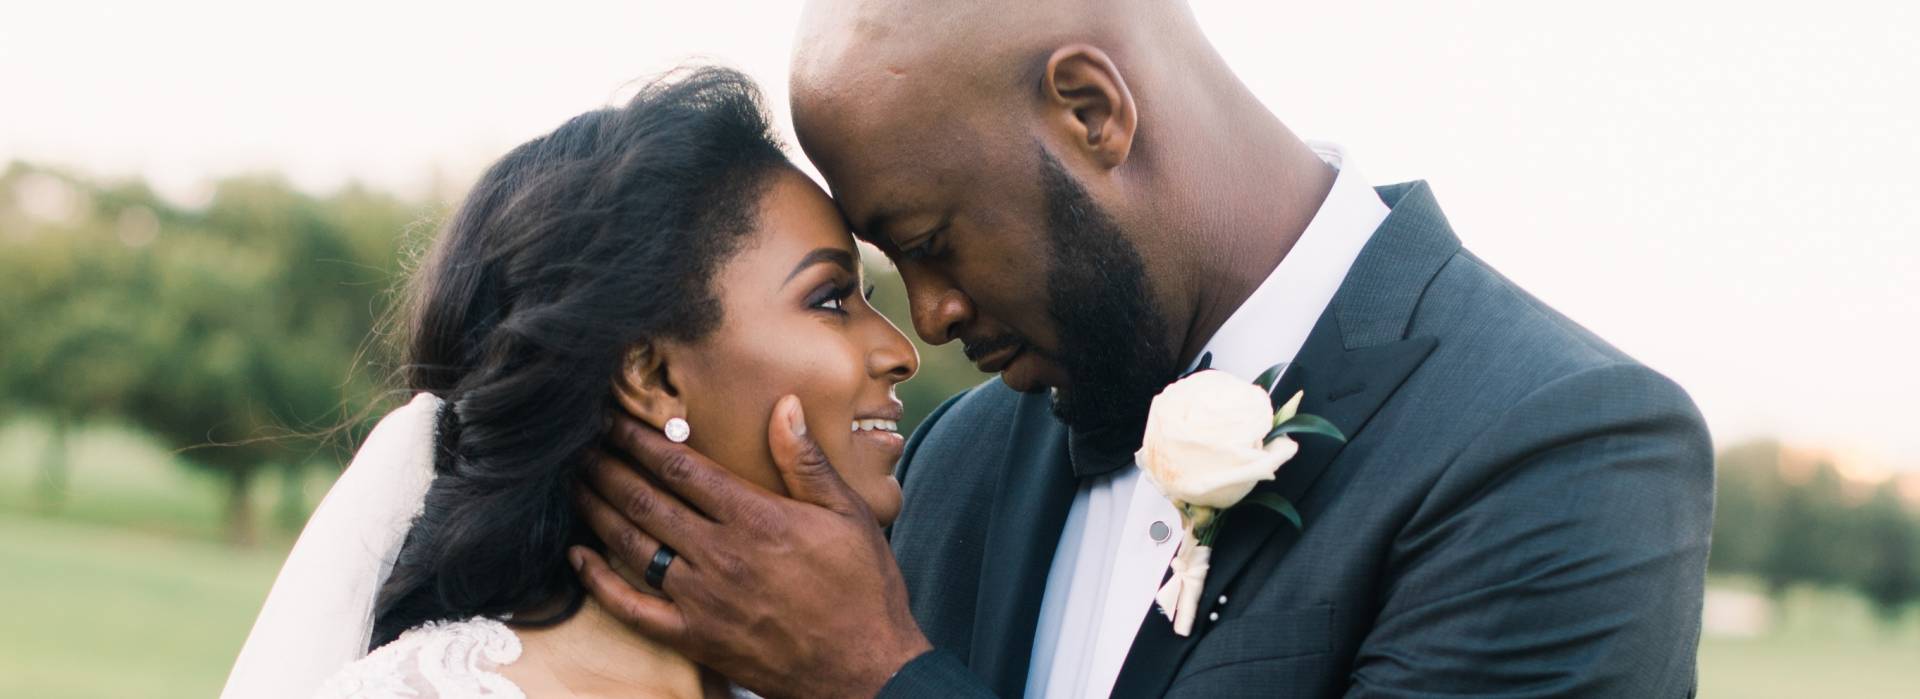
[1521, 511]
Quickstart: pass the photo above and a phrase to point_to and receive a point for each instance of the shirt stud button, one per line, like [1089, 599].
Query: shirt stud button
[1159, 531]
[1223, 599]
[1215, 616]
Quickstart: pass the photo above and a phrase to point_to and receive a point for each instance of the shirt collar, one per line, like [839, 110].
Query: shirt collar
[1270, 326]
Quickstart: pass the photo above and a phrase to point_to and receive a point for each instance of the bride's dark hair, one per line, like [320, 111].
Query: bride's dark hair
[568, 251]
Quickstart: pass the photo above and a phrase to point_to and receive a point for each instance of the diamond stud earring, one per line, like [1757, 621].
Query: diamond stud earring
[677, 430]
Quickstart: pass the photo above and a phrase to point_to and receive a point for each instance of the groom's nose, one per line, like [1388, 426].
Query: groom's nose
[940, 309]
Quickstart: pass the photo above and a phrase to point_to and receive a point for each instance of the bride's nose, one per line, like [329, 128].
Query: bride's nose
[892, 358]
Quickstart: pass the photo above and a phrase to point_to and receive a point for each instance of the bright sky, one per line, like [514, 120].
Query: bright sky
[1725, 189]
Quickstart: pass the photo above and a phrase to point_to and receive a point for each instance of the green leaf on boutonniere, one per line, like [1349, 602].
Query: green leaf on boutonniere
[1287, 411]
[1268, 377]
[1280, 505]
[1306, 424]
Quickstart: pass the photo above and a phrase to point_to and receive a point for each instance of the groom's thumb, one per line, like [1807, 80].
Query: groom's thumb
[801, 463]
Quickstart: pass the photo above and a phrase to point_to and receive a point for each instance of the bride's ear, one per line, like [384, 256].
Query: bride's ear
[645, 388]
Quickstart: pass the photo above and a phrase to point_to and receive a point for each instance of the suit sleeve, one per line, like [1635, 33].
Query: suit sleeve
[1562, 553]
[936, 674]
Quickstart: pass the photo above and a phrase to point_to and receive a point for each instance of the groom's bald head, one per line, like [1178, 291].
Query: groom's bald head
[989, 41]
[1025, 160]
[891, 90]
[861, 65]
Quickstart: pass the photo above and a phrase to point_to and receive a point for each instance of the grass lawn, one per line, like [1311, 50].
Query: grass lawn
[128, 589]
[1825, 644]
[94, 611]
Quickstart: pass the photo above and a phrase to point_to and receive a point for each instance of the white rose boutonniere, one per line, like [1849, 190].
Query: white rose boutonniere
[1210, 438]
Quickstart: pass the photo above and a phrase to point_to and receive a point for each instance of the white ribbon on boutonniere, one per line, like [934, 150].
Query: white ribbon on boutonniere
[1179, 598]
[1210, 438]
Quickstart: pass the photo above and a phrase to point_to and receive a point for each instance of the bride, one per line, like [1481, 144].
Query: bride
[661, 259]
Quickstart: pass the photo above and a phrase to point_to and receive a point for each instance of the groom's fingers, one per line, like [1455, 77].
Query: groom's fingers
[624, 540]
[802, 465]
[620, 500]
[709, 486]
[654, 617]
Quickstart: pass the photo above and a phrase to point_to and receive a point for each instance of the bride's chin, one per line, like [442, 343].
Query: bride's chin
[885, 504]
[868, 466]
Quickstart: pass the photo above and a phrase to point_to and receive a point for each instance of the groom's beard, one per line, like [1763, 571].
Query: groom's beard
[1112, 338]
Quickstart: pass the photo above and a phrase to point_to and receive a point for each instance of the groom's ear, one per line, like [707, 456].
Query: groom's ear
[1088, 100]
[645, 388]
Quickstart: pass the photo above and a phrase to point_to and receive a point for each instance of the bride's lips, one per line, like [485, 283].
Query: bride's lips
[880, 428]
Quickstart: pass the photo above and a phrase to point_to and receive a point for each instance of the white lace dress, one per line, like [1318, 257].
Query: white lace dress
[436, 660]
[440, 660]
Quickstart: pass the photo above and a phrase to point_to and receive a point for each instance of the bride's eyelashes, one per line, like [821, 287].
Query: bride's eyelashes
[833, 299]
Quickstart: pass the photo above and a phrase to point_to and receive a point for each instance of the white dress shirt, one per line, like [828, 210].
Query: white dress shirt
[1121, 532]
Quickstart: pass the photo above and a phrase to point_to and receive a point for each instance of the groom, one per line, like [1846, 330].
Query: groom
[1082, 193]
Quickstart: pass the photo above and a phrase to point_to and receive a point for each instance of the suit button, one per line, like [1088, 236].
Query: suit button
[1159, 531]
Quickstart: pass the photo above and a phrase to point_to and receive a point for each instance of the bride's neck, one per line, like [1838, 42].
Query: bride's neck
[592, 654]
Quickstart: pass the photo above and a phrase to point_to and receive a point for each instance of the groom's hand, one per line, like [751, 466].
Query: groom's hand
[787, 597]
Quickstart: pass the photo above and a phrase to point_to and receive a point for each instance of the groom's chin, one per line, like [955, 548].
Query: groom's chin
[1026, 387]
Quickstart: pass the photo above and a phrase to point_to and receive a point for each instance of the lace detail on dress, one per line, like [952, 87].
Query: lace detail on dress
[436, 660]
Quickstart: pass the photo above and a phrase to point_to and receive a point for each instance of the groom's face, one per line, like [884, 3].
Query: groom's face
[1003, 249]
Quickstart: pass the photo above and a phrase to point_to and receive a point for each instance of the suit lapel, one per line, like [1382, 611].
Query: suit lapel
[1346, 388]
[1029, 510]
[1347, 392]
[1355, 358]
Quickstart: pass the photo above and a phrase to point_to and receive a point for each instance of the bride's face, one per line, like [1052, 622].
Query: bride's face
[795, 321]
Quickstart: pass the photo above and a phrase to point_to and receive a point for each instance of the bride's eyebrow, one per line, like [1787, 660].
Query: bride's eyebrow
[836, 256]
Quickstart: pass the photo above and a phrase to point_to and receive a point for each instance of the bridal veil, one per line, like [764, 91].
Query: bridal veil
[319, 615]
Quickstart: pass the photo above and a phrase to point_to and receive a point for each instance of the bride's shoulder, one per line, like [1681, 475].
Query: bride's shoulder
[435, 659]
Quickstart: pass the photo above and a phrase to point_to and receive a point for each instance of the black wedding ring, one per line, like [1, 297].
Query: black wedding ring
[657, 568]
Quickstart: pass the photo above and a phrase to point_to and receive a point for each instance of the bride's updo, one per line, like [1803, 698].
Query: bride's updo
[568, 251]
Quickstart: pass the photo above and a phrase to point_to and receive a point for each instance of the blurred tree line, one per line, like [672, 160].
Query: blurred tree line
[230, 332]
[1790, 519]
[241, 332]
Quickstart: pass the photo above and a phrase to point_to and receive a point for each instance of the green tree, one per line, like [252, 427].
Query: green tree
[1891, 578]
[1807, 523]
[65, 333]
[269, 298]
[232, 333]
[1746, 493]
